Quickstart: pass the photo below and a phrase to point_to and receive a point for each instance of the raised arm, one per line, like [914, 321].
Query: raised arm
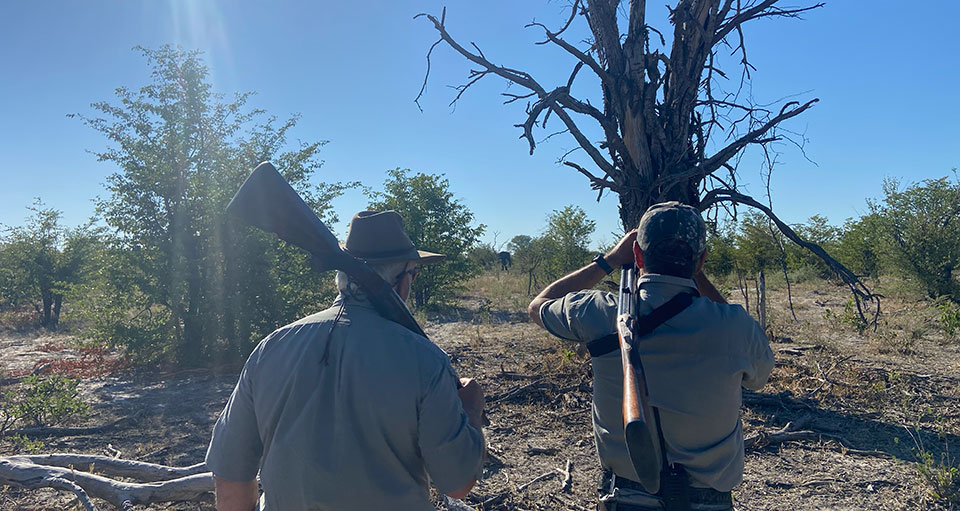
[585, 277]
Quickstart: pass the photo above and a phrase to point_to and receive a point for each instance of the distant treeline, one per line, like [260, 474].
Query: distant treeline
[912, 232]
[163, 273]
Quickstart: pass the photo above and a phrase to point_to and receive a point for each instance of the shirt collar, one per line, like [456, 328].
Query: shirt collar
[665, 284]
[358, 299]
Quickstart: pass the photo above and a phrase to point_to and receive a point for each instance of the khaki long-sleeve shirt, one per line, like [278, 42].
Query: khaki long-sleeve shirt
[360, 417]
[695, 365]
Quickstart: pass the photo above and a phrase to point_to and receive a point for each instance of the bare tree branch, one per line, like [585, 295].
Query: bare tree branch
[722, 156]
[763, 9]
[861, 293]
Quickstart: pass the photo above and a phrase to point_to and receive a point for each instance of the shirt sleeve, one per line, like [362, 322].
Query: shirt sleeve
[761, 358]
[452, 449]
[235, 447]
[582, 316]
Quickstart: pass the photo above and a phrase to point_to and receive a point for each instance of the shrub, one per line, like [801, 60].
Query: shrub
[45, 401]
[949, 319]
[924, 227]
[942, 477]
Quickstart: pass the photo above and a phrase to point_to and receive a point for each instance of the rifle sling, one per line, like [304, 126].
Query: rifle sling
[645, 325]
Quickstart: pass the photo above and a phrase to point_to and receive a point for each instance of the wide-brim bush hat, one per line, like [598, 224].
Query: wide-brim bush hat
[378, 237]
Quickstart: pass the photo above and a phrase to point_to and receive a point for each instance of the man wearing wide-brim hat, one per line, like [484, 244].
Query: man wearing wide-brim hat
[347, 410]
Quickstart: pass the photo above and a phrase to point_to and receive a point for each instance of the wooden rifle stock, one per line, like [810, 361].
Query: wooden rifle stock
[637, 413]
[268, 202]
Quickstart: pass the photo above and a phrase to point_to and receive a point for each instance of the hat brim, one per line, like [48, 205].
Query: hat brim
[429, 257]
[422, 257]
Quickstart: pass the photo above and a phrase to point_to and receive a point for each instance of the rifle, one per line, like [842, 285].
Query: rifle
[268, 202]
[637, 413]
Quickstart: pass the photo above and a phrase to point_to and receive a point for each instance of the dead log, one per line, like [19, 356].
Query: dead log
[139, 470]
[53, 431]
[541, 477]
[788, 433]
[15, 471]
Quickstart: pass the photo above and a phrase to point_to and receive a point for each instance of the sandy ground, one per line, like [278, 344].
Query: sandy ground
[871, 400]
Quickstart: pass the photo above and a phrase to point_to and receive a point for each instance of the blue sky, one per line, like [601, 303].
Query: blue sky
[886, 77]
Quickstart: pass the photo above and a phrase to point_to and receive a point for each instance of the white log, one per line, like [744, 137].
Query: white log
[139, 470]
[120, 494]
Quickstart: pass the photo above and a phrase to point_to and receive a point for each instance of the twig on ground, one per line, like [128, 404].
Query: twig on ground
[567, 477]
[541, 477]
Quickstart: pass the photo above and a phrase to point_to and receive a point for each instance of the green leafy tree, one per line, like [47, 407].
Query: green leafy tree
[184, 283]
[721, 250]
[567, 238]
[923, 222]
[862, 244]
[528, 255]
[757, 249]
[818, 230]
[41, 260]
[435, 221]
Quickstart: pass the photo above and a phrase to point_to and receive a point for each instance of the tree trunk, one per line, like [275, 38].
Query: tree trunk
[762, 300]
[57, 305]
[47, 308]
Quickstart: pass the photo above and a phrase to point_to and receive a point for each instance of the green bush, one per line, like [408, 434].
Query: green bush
[484, 256]
[45, 401]
[949, 319]
[924, 228]
[942, 477]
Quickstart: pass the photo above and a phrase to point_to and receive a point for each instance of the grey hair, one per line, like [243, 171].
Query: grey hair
[387, 271]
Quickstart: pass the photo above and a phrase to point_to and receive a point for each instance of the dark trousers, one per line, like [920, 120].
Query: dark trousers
[621, 494]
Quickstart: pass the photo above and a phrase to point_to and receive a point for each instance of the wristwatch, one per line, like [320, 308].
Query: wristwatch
[603, 264]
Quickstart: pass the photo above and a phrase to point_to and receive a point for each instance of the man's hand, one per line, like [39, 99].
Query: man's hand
[622, 253]
[471, 397]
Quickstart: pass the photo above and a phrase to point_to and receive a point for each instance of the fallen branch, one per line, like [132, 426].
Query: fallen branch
[541, 477]
[123, 495]
[457, 504]
[521, 389]
[788, 433]
[48, 431]
[567, 477]
[142, 471]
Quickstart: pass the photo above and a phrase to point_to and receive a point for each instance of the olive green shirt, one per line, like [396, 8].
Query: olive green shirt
[360, 417]
[695, 364]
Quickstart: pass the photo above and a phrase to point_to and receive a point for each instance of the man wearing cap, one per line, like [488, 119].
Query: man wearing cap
[695, 362]
[346, 410]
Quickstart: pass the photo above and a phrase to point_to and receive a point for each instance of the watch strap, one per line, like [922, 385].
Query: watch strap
[603, 264]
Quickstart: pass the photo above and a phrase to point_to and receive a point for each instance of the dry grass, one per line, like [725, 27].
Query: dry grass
[883, 404]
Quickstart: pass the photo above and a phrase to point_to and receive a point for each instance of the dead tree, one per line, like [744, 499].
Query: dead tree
[660, 110]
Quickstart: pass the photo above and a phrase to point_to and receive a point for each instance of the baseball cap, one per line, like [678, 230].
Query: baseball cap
[672, 221]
